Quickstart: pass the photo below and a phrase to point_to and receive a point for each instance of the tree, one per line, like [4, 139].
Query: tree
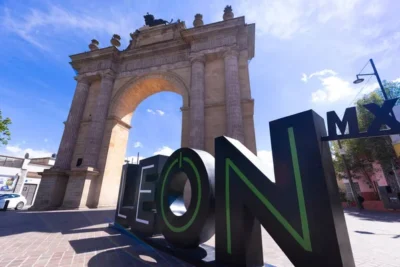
[380, 148]
[4, 131]
[360, 153]
[392, 89]
[358, 160]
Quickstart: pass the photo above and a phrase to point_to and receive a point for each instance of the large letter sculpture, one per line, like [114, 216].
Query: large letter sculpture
[301, 212]
[143, 221]
[382, 117]
[127, 193]
[197, 224]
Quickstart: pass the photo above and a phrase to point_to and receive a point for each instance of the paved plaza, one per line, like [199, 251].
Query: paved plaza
[82, 238]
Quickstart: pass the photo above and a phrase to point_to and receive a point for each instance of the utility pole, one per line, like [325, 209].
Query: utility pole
[379, 81]
[349, 177]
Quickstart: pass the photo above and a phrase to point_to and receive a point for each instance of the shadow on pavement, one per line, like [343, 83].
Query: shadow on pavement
[364, 232]
[86, 233]
[120, 250]
[122, 257]
[135, 255]
[368, 215]
[17, 222]
[370, 233]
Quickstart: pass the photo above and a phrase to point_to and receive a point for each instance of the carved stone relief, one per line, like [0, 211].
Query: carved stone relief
[157, 60]
[212, 42]
[96, 65]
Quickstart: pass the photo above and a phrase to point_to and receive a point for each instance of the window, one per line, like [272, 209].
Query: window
[79, 162]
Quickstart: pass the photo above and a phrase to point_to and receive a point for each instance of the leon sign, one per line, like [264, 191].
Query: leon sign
[231, 197]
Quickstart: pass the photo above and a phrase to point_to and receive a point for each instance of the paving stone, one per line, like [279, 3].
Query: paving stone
[86, 241]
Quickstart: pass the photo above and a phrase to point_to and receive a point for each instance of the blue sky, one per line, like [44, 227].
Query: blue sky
[307, 55]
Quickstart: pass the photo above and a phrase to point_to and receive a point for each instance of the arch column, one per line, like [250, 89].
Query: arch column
[71, 129]
[234, 116]
[197, 124]
[54, 181]
[97, 125]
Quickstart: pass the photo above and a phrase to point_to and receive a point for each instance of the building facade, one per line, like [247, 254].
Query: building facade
[365, 185]
[22, 175]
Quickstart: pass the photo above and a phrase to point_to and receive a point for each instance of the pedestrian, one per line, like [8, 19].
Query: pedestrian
[361, 201]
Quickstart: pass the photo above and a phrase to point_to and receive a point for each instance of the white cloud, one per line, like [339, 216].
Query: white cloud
[137, 144]
[372, 32]
[318, 73]
[304, 77]
[17, 151]
[160, 112]
[46, 140]
[339, 9]
[13, 149]
[397, 80]
[275, 17]
[38, 24]
[319, 96]
[375, 8]
[322, 73]
[165, 150]
[351, 28]
[368, 88]
[284, 19]
[335, 89]
[267, 163]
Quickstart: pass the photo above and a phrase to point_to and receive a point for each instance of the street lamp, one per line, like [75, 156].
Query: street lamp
[360, 80]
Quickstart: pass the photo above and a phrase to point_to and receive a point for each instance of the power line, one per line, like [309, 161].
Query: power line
[352, 101]
[363, 67]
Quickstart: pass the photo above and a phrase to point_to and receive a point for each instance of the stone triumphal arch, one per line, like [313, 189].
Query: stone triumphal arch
[207, 65]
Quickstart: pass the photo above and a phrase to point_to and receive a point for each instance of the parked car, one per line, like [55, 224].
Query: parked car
[15, 201]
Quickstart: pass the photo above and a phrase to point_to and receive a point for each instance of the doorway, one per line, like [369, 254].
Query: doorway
[28, 191]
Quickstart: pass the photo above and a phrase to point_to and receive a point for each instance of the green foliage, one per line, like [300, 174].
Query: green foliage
[4, 131]
[364, 116]
[392, 90]
[360, 153]
[377, 148]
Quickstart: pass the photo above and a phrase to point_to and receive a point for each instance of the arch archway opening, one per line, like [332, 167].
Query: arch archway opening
[156, 127]
[159, 129]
